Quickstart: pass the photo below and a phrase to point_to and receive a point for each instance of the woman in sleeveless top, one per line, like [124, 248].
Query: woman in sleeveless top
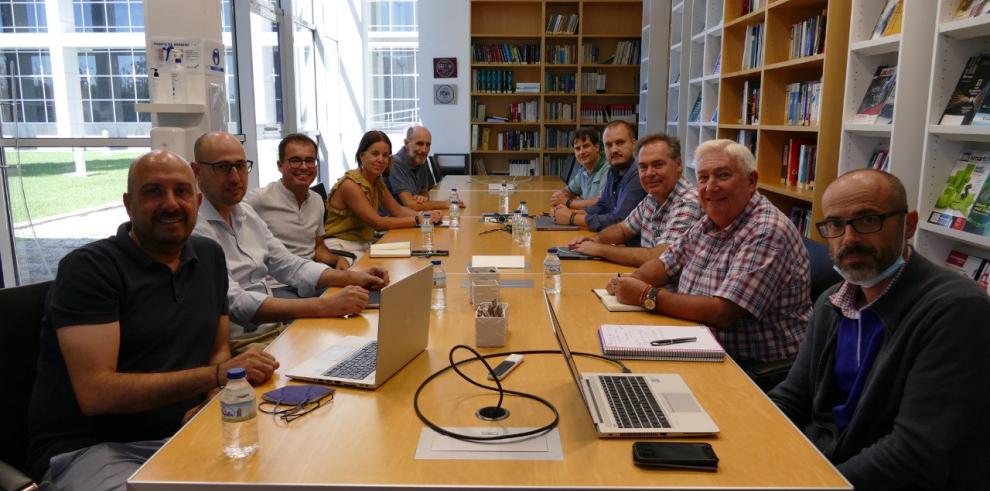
[354, 201]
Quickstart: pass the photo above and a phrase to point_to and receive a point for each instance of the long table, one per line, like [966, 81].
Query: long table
[369, 438]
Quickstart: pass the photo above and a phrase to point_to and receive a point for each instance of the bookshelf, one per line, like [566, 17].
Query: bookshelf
[773, 72]
[579, 81]
[654, 65]
[955, 42]
[911, 52]
[694, 89]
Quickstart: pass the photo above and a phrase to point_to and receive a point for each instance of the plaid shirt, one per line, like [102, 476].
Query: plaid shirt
[758, 263]
[667, 222]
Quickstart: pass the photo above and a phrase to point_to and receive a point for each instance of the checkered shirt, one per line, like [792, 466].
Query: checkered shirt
[665, 223]
[758, 263]
[845, 297]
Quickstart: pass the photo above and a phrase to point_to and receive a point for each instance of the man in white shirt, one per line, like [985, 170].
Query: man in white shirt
[293, 212]
[253, 253]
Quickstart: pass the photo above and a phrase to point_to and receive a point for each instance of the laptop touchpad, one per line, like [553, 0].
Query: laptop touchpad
[681, 402]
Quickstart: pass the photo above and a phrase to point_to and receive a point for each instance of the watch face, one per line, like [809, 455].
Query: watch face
[649, 304]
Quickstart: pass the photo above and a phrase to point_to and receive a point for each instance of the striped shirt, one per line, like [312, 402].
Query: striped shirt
[758, 263]
[667, 222]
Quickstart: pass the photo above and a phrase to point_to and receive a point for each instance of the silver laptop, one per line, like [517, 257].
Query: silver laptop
[403, 333]
[636, 405]
[544, 222]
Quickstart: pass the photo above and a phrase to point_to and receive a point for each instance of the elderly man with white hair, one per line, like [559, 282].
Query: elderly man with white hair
[742, 268]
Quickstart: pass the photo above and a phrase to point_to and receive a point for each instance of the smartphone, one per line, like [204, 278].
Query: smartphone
[675, 455]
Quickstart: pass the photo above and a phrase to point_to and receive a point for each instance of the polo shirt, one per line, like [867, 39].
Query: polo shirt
[589, 184]
[404, 177]
[296, 226]
[621, 194]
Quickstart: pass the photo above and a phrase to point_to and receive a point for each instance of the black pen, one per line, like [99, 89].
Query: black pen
[665, 342]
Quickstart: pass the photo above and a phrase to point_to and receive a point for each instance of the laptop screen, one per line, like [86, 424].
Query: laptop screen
[566, 351]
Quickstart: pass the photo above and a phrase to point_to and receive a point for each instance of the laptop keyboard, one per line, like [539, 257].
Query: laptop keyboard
[632, 403]
[358, 366]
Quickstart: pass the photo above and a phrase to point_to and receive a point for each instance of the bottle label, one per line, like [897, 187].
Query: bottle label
[238, 412]
[439, 282]
[551, 268]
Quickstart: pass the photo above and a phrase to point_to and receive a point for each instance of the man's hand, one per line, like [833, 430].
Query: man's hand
[461, 204]
[341, 264]
[436, 216]
[589, 247]
[258, 364]
[627, 290]
[562, 214]
[558, 198]
[420, 199]
[373, 278]
[349, 300]
[574, 243]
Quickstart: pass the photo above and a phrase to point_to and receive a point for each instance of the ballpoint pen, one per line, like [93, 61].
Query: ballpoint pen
[665, 342]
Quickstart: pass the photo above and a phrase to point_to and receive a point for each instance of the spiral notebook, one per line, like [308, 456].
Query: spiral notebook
[675, 343]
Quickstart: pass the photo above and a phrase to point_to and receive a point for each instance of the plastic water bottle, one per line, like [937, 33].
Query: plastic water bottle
[525, 230]
[522, 208]
[455, 214]
[551, 271]
[239, 411]
[454, 196]
[516, 227]
[439, 298]
[426, 226]
[503, 198]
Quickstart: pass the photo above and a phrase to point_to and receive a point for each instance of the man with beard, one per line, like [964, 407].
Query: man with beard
[891, 381]
[135, 337]
[253, 253]
[622, 191]
[409, 177]
[292, 211]
[669, 209]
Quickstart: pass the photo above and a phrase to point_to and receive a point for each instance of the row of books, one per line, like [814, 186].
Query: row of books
[593, 82]
[562, 54]
[517, 140]
[560, 111]
[889, 22]
[492, 81]
[753, 47]
[562, 24]
[561, 83]
[717, 64]
[969, 103]
[971, 8]
[626, 53]
[750, 104]
[750, 6]
[801, 218]
[877, 106]
[808, 37]
[965, 201]
[747, 138]
[880, 160]
[803, 103]
[559, 138]
[797, 163]
[523, 167]
[555, 165]
[604, 113]
[589, 53]
[528, 111]
[974, 267]
[505, 53]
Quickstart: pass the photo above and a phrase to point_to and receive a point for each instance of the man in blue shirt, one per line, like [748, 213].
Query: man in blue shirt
[622, 191]
[589, 174]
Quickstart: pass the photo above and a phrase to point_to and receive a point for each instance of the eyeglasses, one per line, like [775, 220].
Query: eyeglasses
[863, 224]
[296, 162]
[224, 168]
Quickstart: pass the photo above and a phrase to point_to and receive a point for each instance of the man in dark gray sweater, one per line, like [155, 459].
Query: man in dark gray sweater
[891, 382]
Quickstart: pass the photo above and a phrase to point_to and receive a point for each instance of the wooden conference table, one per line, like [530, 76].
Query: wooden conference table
[369, 438]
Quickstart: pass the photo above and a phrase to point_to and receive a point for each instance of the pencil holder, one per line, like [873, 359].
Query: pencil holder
[489, 331]
[484, 291]
[482, 273]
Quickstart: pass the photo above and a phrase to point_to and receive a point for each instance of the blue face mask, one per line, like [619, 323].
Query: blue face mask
[879, 278]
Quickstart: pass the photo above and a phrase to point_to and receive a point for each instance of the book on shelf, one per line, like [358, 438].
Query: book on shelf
[505, 53]
[801, 218]
[528, 87]
[803, 103]
[753, 47]
[961, 189]
[973, 267]
[968, 95]
[978, 219]
[876, 95]
[562, 24]
[717, 65]
[750, 6]
[523, 167]
[807, 38]
[887, 111]
[748, 138]
[886, 15]
[637, 342]
[478, 167]
[797, 161]
[715, 115]
[880, 160]
[593, 82]
[561, 54]
[971, 8]
[695, 110]
[750, 103]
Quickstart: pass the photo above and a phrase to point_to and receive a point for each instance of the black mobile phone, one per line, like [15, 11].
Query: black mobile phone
[675, 455]
[435, 252]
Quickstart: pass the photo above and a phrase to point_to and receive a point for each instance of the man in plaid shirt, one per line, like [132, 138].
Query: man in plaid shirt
[742, 269]
[669, 209]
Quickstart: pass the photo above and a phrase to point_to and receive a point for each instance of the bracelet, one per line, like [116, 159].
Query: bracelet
[216, 377]
[568, 202]
[416, 217]
[642, 296]
[570, 219]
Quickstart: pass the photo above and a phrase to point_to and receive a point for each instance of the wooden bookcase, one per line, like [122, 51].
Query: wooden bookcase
[776, 72]
[602, 24]
[955, 42]
[696, 48]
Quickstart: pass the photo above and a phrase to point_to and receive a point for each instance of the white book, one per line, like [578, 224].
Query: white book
[391, 249]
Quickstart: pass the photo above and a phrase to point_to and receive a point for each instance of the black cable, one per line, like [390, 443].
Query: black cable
[498, 388]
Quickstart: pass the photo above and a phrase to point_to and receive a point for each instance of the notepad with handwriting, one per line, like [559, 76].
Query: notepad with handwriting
[613, 304]
[633, 342]
[391, 249]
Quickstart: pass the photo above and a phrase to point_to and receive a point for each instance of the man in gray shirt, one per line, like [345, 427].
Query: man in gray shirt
[409, 176]
[589, 174]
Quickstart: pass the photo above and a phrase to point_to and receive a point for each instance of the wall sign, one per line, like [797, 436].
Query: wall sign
[445, 67]
[444, 94]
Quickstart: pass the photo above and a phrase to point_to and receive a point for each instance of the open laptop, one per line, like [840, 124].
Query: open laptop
[403, 333]
[544, 222]
[635, 405]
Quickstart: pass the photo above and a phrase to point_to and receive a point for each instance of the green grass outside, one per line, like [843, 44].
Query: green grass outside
[52, 188]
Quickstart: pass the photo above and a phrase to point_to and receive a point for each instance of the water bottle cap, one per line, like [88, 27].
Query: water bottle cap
[552, 250]
[453, 189]
[522, 202]
[236, 373]
[525, 215]
[436, 262]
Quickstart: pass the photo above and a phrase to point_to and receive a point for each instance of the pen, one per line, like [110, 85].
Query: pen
[665, 342]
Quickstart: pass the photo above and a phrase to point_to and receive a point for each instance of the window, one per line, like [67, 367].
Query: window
[26, 94]
[108, 15]
[23, 16]
[393, 16]
[111, 82]
[393, 78]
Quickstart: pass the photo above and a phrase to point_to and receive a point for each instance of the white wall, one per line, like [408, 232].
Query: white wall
[350, 97]
[445, 31]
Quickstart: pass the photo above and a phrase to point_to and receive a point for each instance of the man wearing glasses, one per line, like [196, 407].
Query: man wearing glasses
[293, 212]
[742, 269]
[253, 253]
[891, 381]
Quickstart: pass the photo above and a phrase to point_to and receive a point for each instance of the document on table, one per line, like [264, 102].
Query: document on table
[391, 249]
[434, 446]
[501, 262]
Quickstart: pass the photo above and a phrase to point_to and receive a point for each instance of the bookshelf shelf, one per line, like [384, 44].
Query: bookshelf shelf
[877, 130]
[602, 26]
[789, 128]
[961, 133]
[954, 235]
[870, 47]
[751, 127]
[790, 192]
[754, 17]
[974, 27]
[806, 62]
[748, 73]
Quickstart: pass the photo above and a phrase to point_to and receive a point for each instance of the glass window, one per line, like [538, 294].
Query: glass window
[111, 94]
[108, 15]
[269, 115]
[305, 66]
[23, 16]
[227, 33]
[26, 94]
[394, 96]
[393, 16]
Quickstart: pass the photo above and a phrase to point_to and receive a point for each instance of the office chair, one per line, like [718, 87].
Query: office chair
[768, 375]
[451, 164]
[20, 334]
[321, 189]
[569, 169]
[434, 168]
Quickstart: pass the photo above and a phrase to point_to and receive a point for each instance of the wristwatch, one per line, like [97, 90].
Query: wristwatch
[650, 302]
[568, 202]
[570, 219]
